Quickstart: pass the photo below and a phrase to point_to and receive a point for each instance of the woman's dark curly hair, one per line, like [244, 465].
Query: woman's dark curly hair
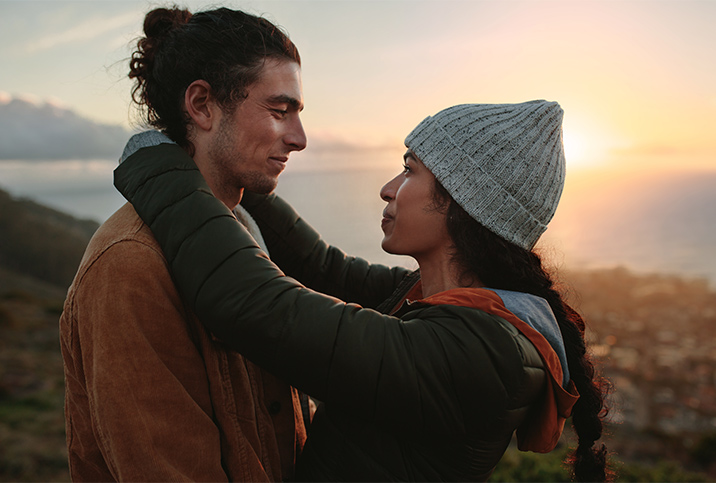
[226, 48]
[497, 263]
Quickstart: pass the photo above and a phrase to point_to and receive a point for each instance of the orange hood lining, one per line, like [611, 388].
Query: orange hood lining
[541, 431]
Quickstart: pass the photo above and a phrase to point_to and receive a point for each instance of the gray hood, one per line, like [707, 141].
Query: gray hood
[536, 312]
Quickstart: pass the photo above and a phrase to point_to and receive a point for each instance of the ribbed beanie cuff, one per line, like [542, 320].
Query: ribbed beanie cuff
[502, 163]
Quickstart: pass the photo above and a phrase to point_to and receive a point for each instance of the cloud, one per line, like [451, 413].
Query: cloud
[83, 32]
[327, 151]
[655, 152]
[36, 129]
[31, 129]
[327, 143]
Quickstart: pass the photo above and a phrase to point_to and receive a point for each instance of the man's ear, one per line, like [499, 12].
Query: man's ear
[200, 104]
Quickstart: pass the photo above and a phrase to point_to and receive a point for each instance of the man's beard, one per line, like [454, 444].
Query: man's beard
[226, 158]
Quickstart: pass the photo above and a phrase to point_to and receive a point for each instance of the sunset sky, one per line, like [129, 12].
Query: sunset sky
[637, 79]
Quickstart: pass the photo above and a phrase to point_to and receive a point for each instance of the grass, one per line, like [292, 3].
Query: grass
[32, 427]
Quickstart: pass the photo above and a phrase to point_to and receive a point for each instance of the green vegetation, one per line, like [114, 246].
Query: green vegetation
[41, 242]
[40, 250]
[704, 452]
[519, 466]
[32, 431]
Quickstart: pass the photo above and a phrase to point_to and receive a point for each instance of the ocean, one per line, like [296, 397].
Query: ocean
[649, 224]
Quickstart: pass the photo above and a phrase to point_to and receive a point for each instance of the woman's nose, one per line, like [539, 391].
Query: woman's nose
[387, 192]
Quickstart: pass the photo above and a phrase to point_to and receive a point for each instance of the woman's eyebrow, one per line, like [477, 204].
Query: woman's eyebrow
[409, 155]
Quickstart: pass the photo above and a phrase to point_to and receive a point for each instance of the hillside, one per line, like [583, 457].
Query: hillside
[40, 250]
[662, 409]
[39, 246]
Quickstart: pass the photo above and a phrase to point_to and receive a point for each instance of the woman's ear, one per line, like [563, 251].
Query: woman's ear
[200, 105]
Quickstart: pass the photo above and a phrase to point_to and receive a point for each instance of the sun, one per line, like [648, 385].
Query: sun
[585, 148]
[588, 143]
[576, 148]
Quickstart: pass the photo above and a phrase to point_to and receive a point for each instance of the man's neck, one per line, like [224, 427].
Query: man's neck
[229, 195]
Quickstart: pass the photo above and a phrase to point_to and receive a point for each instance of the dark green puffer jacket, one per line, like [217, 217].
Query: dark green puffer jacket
[435, 394]
[301, 253]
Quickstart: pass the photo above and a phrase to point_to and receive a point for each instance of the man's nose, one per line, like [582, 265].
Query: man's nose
[296, 137]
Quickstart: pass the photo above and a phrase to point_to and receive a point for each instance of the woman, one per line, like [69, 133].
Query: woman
[435, 390]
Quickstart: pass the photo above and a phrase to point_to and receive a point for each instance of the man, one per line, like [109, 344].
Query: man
[150, 394]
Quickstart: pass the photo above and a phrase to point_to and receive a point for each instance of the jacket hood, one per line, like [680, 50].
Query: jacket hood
[541, 431]
[537, 313]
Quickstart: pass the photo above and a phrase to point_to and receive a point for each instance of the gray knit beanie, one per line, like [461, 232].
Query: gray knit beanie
[502, 163]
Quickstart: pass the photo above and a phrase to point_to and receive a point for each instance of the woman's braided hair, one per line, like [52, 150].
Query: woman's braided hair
[500, 264]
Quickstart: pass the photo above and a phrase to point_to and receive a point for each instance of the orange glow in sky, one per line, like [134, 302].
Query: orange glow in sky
[635, 78]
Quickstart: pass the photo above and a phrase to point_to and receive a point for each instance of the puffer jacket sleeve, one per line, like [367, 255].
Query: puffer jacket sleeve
[301, 253]
[425, 374]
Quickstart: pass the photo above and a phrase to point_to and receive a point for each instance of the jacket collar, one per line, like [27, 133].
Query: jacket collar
[541, 431]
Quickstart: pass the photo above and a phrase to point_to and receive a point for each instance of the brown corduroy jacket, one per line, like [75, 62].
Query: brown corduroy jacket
[150, 394]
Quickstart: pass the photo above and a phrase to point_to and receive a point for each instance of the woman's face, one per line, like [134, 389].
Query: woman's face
[412, 224]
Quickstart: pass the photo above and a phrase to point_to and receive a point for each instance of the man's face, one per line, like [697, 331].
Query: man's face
[252, 144]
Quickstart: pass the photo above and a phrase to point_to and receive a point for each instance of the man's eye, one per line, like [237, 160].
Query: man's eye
[281, 112]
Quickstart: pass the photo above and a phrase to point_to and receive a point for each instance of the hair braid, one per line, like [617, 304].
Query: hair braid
[500, 264]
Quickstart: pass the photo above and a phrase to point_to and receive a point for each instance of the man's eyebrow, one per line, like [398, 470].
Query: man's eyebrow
[286, 99]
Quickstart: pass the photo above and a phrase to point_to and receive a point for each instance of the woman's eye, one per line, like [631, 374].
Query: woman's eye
[406, 168]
